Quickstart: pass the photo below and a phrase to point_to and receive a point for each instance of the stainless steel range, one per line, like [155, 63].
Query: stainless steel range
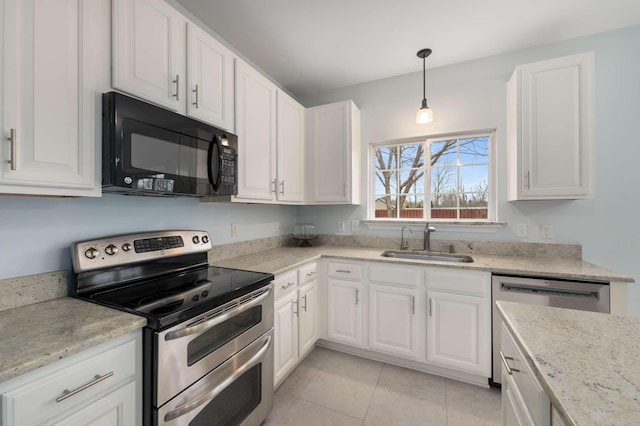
[208, 345]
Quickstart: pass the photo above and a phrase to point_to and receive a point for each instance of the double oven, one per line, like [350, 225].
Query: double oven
[208, 343]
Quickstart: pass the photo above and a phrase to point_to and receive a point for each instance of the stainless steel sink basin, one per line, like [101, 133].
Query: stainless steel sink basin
[425, 255]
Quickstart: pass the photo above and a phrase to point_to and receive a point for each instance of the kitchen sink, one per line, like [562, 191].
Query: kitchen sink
[427, 255]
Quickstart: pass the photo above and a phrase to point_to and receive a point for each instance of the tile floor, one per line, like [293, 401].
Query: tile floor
[333, 388]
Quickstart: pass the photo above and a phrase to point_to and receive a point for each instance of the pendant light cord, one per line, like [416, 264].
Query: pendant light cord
[424, 80]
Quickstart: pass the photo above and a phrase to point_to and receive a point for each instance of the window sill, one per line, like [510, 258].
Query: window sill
[480, 227]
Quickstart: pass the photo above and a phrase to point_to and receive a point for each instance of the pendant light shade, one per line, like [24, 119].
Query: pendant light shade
[424, 114]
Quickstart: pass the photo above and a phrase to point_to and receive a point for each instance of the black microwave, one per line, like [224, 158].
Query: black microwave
[148, 150]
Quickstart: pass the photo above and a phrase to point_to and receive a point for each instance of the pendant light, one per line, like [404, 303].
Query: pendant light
[424, 114]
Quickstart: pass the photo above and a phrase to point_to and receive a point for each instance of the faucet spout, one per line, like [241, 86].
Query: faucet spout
[404, 245]
[427, 236]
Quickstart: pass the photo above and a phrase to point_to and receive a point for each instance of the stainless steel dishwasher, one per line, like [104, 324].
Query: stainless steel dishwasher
[580, 295]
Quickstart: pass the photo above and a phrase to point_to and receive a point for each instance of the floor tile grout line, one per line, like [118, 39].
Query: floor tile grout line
[328, 408]
[374, 392]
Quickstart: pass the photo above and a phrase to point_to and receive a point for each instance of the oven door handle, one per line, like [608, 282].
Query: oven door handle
[210, 395]
[219, 319]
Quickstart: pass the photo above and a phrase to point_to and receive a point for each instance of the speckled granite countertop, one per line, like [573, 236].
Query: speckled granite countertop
[587, 362]
[282, 259]
[36, 335]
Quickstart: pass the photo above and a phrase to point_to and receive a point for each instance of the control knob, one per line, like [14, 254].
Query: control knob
[205, 239]
[126, 247]
[195, 239]
[91, 253]
[111, 249]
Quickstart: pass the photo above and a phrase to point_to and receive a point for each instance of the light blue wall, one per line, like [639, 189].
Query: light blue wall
[471, 96]
[36, 233]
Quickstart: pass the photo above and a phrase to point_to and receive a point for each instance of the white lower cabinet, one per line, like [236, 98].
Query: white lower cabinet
[100, 386]
[295, 318]
[393, 324]
[344, 314]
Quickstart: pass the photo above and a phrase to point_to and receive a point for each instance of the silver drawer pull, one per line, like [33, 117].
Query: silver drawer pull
[97, 379]
[344, 271]
[310, 274]
[284, 287]
[196, 92]
[504, 361]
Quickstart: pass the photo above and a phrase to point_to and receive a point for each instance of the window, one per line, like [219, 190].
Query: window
[455, 183]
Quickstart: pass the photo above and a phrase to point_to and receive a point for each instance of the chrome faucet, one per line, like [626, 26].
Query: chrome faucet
[403, 245]
[427, 236]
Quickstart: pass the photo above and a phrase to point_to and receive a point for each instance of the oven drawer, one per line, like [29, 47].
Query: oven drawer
[71, 386]
[308, 273]
[285, 283]
[533, 396]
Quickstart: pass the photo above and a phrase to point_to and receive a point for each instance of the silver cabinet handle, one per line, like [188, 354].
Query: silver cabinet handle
[413, 304]
[282, 187]
[527, 179]
[295, 302]
[357, 296]
[430, 307]
[305, 303]
[14, 149]
[97, 379]
[506, 366]
[310, 274]
[210, 395]
[273, 182]
[284, 287]
[219, 319]
[344, 271]
[196, 92]
[177, 82]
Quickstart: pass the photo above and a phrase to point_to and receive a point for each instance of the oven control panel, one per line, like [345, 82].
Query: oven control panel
[131, 248]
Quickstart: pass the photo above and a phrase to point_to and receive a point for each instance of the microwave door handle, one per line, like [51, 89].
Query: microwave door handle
[215, 182]
[210, 395]
[187, 331]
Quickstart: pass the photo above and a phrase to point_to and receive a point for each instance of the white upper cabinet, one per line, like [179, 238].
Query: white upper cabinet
[290, 143]
[159, 56]
[333, 158]
[55, 63]
[550, 129]
[210, 82]
[256, 130]
[149, 51]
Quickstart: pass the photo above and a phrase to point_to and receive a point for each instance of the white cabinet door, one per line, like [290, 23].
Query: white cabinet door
[285, 335]
[116, 409]
[458, 332]
[210, 82]
[345, 311]
[513, 413]
[149, 42]
[290, 143]
[308, 324]
[334, 154]
[549, 128]
[53, 60]
[256, 130]
[392, 320]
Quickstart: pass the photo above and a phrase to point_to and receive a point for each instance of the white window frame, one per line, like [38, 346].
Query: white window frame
[427, 140]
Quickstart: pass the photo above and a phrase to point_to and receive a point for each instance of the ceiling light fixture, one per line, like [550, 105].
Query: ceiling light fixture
[424, 114]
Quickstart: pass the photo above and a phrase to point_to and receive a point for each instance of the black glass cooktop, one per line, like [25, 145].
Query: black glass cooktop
[169, 300]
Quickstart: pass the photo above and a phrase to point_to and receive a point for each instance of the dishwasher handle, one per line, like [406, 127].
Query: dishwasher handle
[548, 291]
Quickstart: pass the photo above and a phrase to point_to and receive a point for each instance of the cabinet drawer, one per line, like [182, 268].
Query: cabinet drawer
[473, 283]
[308, 273]
[345, 270]
[285, 283]
[534, 398]
[404, 276]
[36, 401]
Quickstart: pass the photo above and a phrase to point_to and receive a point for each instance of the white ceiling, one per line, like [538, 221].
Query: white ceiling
[312, 46]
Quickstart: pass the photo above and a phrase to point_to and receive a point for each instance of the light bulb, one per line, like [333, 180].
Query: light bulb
[424, 115]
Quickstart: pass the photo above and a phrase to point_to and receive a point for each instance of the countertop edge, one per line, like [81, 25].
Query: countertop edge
[553, 397]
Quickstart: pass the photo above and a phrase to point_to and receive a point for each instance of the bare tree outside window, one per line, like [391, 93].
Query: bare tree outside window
[455, 179]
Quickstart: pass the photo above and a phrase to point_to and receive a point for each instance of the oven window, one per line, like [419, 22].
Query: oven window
[235, 403]
[221, 334]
